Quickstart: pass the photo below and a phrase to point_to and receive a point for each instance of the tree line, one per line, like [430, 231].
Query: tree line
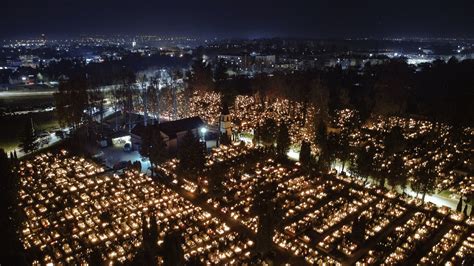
[439, 91]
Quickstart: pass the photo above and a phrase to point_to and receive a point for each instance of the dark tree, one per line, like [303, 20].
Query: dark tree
[459, 206]
[393, 83]
[320, 96]
[96, 101]
[173, 250]
[364, 161]
[358, 229]
[28, 140]
[397, 173]
[257, 135]
[154, 147]
[148, 252]
[216, 179]
[11, 249]
[95, 258]
[342, 148]
[425, 179]
[265, 206]
[191, 154]
[305, 155]
[268, 132]
[321, 140]
[332, 149]
[72, 100]
[201, 78]
[158, 151]
[220, 74]
[283, 141]
[224, 139]
[137, 165]
[394, 141]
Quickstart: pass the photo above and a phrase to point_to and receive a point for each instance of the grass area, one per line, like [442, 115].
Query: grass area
[448, 194]
[246, 135]
[26, 100]
[13, 126]
[445, 193]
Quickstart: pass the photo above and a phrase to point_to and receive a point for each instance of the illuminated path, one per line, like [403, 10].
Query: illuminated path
[436, 199]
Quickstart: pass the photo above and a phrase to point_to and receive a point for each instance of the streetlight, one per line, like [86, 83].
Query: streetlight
[203, 132]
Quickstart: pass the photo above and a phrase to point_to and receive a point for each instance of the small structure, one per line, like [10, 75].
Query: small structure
[225, 122]
[172, 132]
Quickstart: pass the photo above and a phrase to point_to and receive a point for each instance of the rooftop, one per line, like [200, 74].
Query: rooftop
[171, 128]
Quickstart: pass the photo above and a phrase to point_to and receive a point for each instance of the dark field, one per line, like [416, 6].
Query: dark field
[12, 126]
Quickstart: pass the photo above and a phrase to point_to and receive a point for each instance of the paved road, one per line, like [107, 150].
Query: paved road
[9, 94]
[114, 154]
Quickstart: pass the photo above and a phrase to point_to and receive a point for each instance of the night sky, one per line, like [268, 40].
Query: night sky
[244, 18]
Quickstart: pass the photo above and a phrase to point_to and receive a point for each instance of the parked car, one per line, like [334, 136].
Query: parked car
[103, 143]
[44, 135]
[59, 134]
[98, 155]
[127, 147]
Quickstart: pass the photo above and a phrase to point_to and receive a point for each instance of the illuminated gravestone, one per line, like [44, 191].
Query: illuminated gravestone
[76, 213]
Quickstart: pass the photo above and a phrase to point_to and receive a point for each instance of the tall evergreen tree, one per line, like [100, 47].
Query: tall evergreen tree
[283, 140]
[191, 155]
[71, 100]
[459, 206]
[305, 154]
[342, 149]
[158, 151]
[358, 229]
[394, 141]
[148, 252]
[220, 74]
[268, 132]
[11, 250]
[28, 140]
[363, 162]
[173, 250]
[216, 179]
[146, 145]
[201, 78]
[425, 180]
[332, 149]
[267, 211]
[153, 146]
[321, 140]
[224, 139]
[397, 174]
[95, 258]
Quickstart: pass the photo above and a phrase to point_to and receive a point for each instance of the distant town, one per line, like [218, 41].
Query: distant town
[32, 61]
